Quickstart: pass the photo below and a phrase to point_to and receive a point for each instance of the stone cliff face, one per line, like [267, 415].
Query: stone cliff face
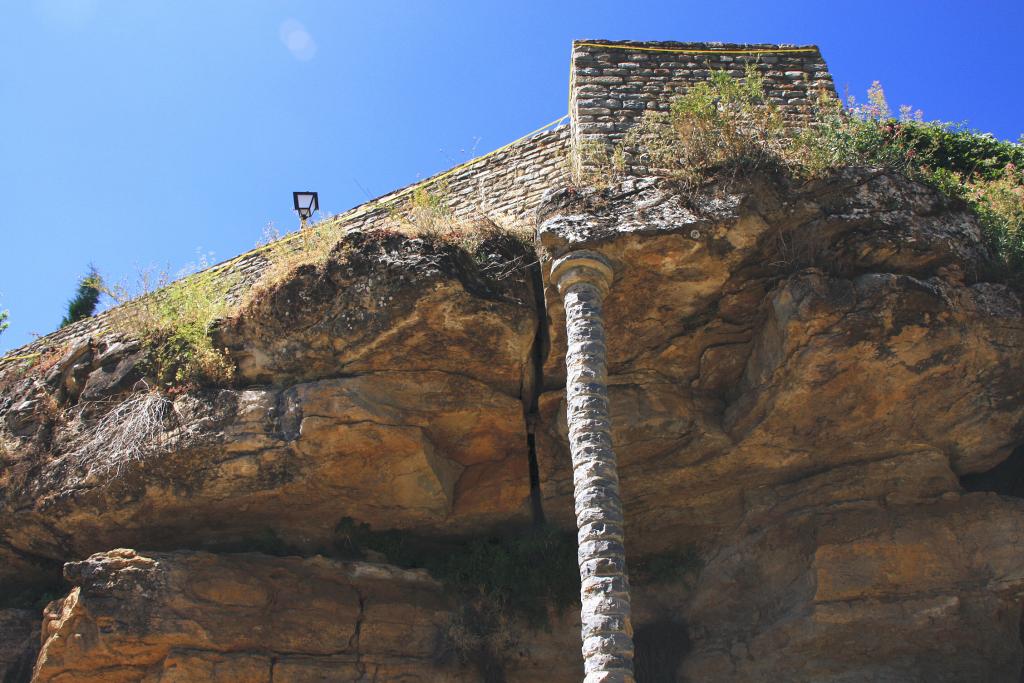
[252, 618]
[802, 380]
[798, 378]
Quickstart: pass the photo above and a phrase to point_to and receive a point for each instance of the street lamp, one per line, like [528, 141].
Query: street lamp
[306, 203]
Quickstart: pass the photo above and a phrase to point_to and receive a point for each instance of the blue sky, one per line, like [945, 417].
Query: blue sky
[145, 132]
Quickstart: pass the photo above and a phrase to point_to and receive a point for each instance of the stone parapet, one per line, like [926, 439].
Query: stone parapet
[613, 83]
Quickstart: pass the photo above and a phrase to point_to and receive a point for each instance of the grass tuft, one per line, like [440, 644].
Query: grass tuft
[174, 321]
[426, 213]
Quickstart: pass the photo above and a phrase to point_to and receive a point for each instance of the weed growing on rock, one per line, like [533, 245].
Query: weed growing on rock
[174, 322]
[967, 165]
[481, 635]
[525, 572]
[594, 163]
[428, 214]
[502, 585]
[723, 126]
[726, 127]
[425, 213]
[8, 447]
[310, 246]
[1000, 204]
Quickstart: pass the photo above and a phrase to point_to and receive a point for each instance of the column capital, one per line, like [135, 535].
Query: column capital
[584, 265]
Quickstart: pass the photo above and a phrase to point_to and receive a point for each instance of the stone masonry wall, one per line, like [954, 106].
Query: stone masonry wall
[508, 184]
[612, 84]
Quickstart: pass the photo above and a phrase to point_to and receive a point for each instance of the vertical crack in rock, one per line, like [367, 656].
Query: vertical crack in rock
[533, 386]
[354, 643]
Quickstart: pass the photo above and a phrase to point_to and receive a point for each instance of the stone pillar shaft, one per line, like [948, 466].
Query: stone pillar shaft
[583, 279]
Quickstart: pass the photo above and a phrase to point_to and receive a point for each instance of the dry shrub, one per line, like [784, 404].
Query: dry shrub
[45, 362]
[131, 429]
[33, 367]
[428, 213]
[12, 373]
[8, 446]
[310, 246]
[595, 164]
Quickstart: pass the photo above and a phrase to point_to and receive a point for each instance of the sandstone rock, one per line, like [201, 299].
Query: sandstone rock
[390, 304]
[186, 616]
[19, 643]
[882, 351]
[797, 378]
[71, 370]
[117, 370]
[740, 360]
[910, 593]
[800, 380]
[417, 358]
[196, 616]
[432, 452]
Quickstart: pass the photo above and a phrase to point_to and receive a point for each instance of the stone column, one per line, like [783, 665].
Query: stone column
[583, 279]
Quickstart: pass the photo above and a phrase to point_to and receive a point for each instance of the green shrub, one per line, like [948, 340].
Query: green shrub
[999, 203]
[724, 127]
[181, 349]
[960, 150]
[842, 137]
[174, 321]
[963, 164]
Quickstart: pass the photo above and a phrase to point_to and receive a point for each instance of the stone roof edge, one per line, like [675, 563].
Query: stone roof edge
[677, 45]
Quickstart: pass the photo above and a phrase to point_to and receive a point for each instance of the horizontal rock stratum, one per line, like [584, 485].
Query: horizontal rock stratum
[816, 406]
